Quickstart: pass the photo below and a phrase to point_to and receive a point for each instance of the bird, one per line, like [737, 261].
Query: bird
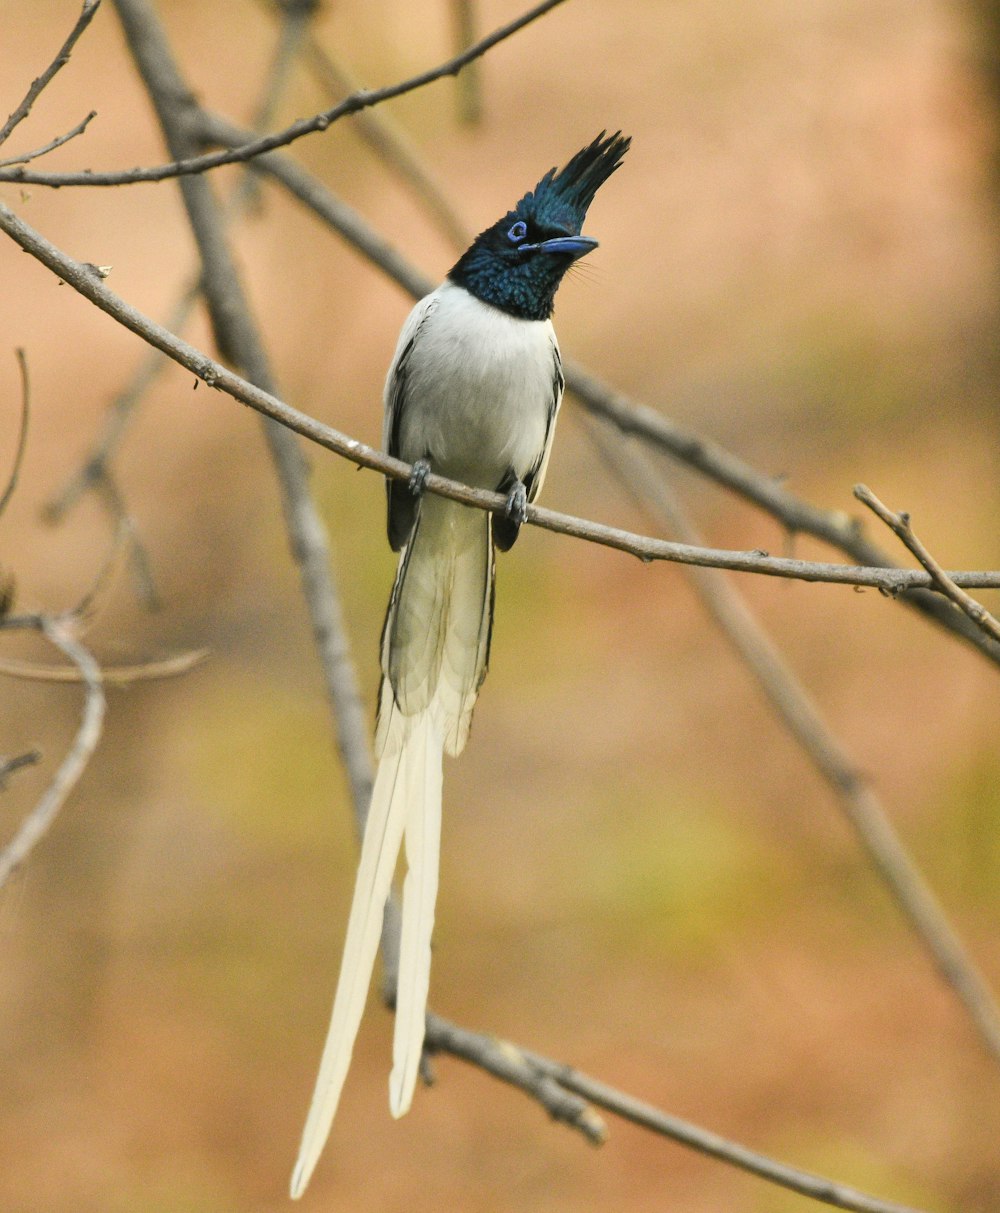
[472, 393]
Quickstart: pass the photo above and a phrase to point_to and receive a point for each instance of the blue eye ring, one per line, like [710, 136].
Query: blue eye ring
[518, 232]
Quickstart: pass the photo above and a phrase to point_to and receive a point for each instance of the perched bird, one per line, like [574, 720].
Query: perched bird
[472, 394]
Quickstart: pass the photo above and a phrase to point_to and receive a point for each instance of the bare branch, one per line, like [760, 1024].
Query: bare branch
[566, 1094]
[801, 716]
[510, 1064]
[832, 526]
[389, 142]
[94, 471]
[22, 434]
[835, 527]
[361, 100]
[113, 675]
[90, 8]
[9, 765]
[899, 524]
[59, 631]
[890, 580]
[705, 1142]
[470, 97]
[52, 144]
[236, 333]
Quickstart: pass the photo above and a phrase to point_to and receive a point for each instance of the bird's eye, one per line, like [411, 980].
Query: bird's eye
[518, 232]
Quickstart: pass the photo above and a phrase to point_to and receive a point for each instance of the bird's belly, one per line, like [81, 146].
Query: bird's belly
[480, 400]
[480, 435]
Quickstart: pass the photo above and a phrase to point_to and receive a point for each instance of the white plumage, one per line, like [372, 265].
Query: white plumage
[475, 392]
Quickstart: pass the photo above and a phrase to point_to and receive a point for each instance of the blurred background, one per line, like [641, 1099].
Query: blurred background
[642, 875]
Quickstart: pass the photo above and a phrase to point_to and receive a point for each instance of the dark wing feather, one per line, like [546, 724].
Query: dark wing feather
[401, 502]
[505, 529]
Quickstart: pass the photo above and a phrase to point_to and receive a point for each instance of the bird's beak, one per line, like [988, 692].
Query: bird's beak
[564, 246]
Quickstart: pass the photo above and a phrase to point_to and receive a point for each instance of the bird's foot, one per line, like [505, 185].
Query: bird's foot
[517, 504]
[417, 482]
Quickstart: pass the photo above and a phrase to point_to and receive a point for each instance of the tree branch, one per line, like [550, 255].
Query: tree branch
[87, 15]
[799, 713]
[111, 675]
[899, 524]
[834, 527]
[891, 581]
[60, 632]
[705, 1142]
[364, 99]
[236, 334]
[9, 765]
[22, 433]
[52, 144]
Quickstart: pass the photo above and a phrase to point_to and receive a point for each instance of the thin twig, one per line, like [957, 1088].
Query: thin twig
[90, 8]
[390, 143]
[116, 418]
[52, 144]
[22, 433]
[567, 1093]
[900, 525]
[890, 580]
[468, 86]
[9, 765]
[360, 100]
[834, 527]
[138, 558]
[236, 333]
[801, 716]
[511, 1065]
[59, 631]
[705, 1142]
[95, 472]
[113, 675]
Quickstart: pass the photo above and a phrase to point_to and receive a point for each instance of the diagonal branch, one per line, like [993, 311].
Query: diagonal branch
[59, 631]
[87, 15]
[899, 524]
[801, 716]
[22, 433]
[891, 581]
[52, 144]
[9, 765]
[236, 334]
[834, 527]
[806, 1183]
[567, 1095]
[191, 164]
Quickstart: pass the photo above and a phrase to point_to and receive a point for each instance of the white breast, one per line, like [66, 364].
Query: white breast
[479, 387]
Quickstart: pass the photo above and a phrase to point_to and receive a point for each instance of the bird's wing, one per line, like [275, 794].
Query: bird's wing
[402, 504]
[536, 476]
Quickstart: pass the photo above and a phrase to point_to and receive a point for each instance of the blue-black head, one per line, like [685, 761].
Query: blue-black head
[517, 264]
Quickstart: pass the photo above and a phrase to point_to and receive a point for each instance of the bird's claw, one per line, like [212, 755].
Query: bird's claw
[417, 482]
[517, 504]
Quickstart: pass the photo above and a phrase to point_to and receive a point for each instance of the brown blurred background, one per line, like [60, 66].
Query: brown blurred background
[641, 875]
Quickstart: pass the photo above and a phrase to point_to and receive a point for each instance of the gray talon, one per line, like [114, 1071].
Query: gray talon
[517, 504]
[418, 477]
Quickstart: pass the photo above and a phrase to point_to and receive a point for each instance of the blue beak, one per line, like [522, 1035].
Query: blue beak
[565, 246]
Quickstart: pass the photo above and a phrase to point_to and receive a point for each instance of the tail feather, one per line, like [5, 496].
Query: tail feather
[436, 642]
[379, 852]
[423, 844]
[435, 647]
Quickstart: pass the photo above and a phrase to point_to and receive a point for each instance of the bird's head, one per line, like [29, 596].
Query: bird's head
[517, 264]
